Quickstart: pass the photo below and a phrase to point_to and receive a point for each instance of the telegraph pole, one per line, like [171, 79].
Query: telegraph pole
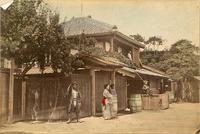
[81, 8]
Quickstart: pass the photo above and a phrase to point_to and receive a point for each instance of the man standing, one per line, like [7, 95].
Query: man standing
[74, 98]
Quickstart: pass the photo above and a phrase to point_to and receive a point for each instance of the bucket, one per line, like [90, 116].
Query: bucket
[135, 103]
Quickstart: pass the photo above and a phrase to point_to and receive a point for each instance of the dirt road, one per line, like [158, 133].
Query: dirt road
[182, 118]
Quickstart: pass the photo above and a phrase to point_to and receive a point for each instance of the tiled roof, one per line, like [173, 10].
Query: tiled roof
[104, 61]
[87, 25]
[36, 70]
[132, 72]
[90, 26]
[153, 70]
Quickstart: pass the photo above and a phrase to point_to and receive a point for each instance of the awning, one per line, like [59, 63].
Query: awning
[132, 72]
[104, 61]
[147, 72]
[127, 72]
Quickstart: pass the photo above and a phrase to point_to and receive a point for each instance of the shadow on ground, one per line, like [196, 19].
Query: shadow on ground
[14, 133]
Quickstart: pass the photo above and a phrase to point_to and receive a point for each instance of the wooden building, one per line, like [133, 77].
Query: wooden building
[91, 79]
[107, 36]
[195, 87]
[51, 87]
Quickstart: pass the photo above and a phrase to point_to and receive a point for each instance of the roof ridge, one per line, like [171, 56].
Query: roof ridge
[90, 18]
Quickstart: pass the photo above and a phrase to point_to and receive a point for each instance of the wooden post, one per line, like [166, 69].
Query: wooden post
[23, 98]
[92, 73]
[126, 93]
[112, 44]
[11, 92]
[199, 93]
[113, 77]
[133, 54]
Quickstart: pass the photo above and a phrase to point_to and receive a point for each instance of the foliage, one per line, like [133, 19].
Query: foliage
[99, 52]
[24, 28]
[138, 38]
[31, 34]
[179, 62]
[155, 42]
[86, 47]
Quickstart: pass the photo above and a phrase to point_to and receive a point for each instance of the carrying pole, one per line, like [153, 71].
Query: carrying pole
[139, 76]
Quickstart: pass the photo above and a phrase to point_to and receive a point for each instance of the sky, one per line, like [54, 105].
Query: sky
[172, 19]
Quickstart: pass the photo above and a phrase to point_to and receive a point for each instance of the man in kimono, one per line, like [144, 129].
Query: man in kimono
[74, 101]
[107, 106]
[146, 88]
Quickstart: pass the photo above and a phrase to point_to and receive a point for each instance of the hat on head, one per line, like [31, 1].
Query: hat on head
[74, 83]
[145, 81]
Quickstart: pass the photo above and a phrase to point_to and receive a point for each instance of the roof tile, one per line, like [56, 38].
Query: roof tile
[86, 25]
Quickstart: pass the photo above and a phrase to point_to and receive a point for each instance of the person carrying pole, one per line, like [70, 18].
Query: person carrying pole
[73, 100]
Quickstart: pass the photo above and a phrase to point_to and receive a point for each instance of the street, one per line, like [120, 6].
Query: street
[181, 118]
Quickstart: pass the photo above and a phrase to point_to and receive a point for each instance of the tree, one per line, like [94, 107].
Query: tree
[138, 38]
[179, 62]
[31, 34]
[24, 27]
[155, 41]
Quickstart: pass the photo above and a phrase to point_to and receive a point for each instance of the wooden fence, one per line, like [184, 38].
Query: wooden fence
[51, 95]
[4, 91]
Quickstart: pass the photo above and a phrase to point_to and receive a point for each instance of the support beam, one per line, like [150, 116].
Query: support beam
[113, 77]
[126, 88]
[92, 73]
[11, 92]
[133, 54]
[23, 98]
[112, 44]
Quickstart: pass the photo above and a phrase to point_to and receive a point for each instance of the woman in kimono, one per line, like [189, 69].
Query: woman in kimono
[107, 103]
[114, 101]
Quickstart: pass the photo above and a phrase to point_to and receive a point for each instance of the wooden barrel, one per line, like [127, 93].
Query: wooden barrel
[135, 103]
[171, 96]
[114, 106]
[164, 100]
[151, 102]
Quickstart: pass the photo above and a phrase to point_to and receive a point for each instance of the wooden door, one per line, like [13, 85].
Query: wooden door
[101, 78]
[121, 89]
